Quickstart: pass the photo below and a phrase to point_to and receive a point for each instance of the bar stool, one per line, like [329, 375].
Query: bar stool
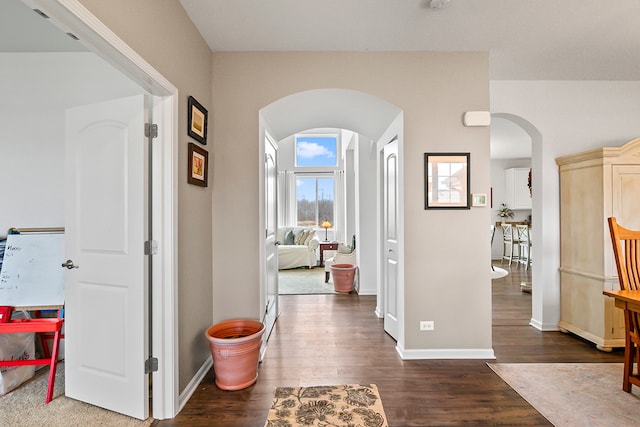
[524, 244]
[510, 241]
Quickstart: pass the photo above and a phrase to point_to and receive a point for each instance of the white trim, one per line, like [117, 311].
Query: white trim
[542, 327]
[443, 353]
[165, 303]
[73, 17]
[192, 387]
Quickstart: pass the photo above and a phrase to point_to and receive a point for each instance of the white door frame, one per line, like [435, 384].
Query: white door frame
[73, 17]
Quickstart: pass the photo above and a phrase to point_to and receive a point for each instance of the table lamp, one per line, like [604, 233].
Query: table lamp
[326, 225]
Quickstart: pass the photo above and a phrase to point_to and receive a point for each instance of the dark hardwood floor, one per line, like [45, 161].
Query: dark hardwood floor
[336, 339]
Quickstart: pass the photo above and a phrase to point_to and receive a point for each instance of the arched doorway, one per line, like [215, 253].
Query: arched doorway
[540, 264]
[362, 113]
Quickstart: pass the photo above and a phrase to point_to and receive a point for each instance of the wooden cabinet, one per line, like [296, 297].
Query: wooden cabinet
[517, 193]
[595, 185]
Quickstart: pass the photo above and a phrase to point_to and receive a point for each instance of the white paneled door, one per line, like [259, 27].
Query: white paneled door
[271, 228]
[390, 238]
[106, 219]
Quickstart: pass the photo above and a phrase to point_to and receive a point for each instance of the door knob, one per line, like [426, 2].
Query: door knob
[277, 243]
[69, 264]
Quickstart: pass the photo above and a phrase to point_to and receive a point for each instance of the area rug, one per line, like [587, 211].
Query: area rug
[574, 394]
[303, 281]
[497, 273]
[341, 405]
[25, 406]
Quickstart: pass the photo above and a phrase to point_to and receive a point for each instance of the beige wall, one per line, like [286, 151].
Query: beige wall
[447, 252]
[161, 32]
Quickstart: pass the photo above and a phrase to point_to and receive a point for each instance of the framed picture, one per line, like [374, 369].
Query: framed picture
[197, 121]
[478, 199]
[447, 180]
[198, 165]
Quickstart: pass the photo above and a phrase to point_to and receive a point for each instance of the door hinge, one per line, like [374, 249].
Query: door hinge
[151, 365]
[150, 130]
[151, 247]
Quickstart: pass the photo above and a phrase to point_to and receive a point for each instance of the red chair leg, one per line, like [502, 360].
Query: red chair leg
[53, 366]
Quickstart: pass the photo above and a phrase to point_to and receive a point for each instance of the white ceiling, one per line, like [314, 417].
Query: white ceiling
[526, 39]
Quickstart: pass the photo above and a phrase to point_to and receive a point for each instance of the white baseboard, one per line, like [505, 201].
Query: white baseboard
[193, 384]
[543, 327]
[446, 353]
[367, 291]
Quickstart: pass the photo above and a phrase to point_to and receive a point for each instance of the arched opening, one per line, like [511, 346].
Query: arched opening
[529, 132]
[366, 124]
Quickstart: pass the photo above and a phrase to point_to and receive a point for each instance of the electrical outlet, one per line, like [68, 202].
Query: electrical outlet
[427, 325]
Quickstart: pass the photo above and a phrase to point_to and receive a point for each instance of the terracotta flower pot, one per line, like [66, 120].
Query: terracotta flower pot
[235, 349]
[343, 275]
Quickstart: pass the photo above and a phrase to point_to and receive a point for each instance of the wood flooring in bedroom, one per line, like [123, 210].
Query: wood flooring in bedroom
[334, 339]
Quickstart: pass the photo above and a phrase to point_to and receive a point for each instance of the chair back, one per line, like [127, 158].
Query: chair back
[492, 233]
[627, 256]
[507, 232]
[523, 233]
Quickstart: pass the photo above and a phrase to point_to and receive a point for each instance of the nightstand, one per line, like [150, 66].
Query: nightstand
[326, 246]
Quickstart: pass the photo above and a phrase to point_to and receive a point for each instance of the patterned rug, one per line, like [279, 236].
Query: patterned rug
[341, 405]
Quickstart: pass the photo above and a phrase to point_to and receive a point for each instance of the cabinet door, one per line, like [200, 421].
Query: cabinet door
[521, 195]
[625, 191]
[517, 190]
[626, 202]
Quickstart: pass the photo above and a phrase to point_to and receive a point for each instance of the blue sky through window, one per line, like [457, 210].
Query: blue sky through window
[316, 150]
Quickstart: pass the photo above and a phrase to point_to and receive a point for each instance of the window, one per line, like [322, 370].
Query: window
[316, 150]
[314, 197]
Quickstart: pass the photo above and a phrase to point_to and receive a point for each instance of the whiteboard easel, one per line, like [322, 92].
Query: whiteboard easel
[31, 274]
[32, 278]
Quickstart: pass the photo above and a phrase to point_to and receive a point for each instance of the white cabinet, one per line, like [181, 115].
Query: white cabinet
[517, 195]
[595, 185]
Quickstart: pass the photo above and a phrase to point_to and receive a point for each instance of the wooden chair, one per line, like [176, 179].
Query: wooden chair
[628, 265]
[510, 241]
